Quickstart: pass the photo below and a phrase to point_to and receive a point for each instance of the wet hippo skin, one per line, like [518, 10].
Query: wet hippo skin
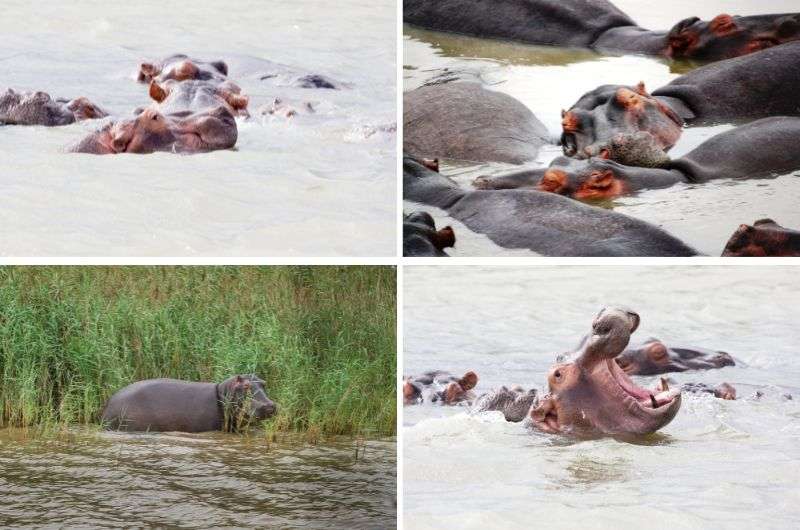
[420, 237]
[598, 24]
[152, 131]
[181, 67]
[543, 222]
[173, 405]
[465, 121]
[743, 89]
[38, 108]
[764, 238]
[731, 154]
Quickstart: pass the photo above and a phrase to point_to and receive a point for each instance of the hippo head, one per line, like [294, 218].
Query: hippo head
[593, 396]
[618, 122]
[424, 226]
[152, 131]
[182, 68]
[227, 94]
[33, 108]
[244, 400]
[654, 357]
[458, 390]
[83, 109]
[593, 179]
[764, 238]
[727, 36]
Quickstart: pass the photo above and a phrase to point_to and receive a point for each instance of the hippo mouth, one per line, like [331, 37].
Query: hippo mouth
[643, 398]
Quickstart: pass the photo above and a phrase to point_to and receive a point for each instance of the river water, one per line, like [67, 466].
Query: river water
[319, 184]
[725, 464]
[548, 79]
[177, 480]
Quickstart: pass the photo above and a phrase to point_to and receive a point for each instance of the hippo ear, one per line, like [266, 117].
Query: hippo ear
[640, 89]
[147, 71]
[221, 67]
[157, 92]
[238, 380]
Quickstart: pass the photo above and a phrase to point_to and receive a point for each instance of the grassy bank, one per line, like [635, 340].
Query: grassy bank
[323, 339]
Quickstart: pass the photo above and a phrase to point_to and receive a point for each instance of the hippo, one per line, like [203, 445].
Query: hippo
[173, 405]
[546, 223]
[742, 89]
[38, 108]
[465, 121]
[726, 155]
[442, 387]
[599, 25]
[287, 109]
[653, 357]
[764, 238]
[181, 67]
[152, 131]
[174, 97]
[420, 237]
[593, 395]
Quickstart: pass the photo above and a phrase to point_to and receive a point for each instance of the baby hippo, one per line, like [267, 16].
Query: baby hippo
[173, 405]
[152, 131]
[38, 108]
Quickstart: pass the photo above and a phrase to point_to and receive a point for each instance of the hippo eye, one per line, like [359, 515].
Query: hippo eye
[557, 374]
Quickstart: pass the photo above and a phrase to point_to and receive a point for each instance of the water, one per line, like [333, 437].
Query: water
[176, 480]
[548, 79]
[730, 464]
[321, 184]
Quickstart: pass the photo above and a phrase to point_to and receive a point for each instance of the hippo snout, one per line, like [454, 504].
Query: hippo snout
[265, 409]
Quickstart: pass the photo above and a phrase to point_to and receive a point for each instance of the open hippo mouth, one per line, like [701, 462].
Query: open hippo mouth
[645, 399]
[593, 395]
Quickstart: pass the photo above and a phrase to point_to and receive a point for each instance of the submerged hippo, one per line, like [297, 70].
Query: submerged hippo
[174, 97]
[38, 108]
[599, 25]
[747, 88]
[653, 357]
[181, 67]
[764, 238]
[724, 391]
[173, 405]
[543, 222]
[439, 386]
[420, 237]
[465, 121]
[730, 154]
[152, 131]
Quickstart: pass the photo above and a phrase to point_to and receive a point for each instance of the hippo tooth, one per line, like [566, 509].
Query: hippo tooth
[664, 385]
[653, 401]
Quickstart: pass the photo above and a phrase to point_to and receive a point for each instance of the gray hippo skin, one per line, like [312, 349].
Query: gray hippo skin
[599, 25]
[173, 405]
[38, 108]
[743, 89]
[464, 121]
[730, 154]
[543, 222]
[420, 237]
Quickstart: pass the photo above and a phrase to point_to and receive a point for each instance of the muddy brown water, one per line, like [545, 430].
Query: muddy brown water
[87, 479]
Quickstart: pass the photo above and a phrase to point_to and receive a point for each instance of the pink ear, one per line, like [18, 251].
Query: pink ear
[238, 379]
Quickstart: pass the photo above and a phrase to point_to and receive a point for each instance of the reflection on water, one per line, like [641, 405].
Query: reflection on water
[185, 480]
[548, 79]
[735, 463]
